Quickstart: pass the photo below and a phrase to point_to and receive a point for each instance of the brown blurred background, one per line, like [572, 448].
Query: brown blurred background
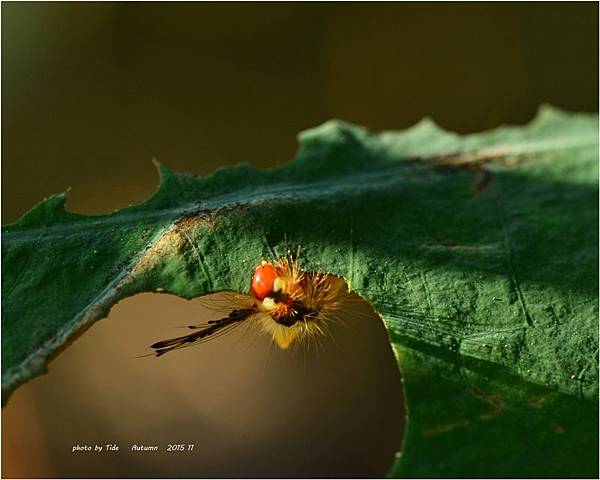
[92, 92]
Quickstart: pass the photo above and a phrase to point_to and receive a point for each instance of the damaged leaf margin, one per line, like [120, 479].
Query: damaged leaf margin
[456, 241]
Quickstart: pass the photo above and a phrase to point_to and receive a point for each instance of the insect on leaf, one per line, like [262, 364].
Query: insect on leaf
[480, 252]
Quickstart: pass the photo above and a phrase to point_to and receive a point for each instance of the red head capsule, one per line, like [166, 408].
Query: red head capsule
[263, 280]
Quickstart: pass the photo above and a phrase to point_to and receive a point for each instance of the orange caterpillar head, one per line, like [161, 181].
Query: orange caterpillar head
[293, 304]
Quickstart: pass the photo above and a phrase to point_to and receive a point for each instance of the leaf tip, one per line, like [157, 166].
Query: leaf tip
[331, 133]
[165, 174]
[428, 125]
[48, 210]
[550, 118]
[546, 111]
[341, 144]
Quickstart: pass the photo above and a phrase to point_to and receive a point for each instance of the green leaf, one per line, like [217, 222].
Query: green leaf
[480, 253]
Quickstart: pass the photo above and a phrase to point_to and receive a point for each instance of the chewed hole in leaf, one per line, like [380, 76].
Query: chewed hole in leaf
[332, 410]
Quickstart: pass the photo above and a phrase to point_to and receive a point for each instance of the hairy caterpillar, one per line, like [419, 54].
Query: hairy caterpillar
[287, 304]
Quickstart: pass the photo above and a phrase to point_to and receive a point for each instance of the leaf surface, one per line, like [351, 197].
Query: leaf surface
[480, 253]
